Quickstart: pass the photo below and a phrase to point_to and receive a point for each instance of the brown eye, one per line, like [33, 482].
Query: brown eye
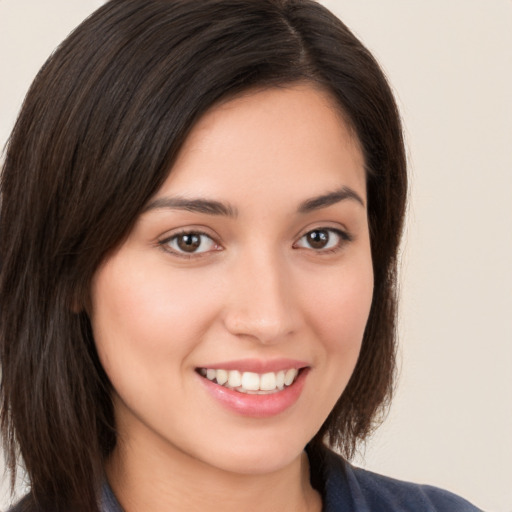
[317, 239]
[323, 239]
[190, 243]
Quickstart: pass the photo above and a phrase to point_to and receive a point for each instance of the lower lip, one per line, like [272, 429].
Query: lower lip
[257, 406]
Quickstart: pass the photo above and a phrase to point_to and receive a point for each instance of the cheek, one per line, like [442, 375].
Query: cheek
[339, 307]
[339, 312]
[143, 320]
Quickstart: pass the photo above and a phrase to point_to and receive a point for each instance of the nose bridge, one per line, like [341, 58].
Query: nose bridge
[261, 301]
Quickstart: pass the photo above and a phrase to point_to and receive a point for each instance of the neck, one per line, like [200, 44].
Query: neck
[160, 481]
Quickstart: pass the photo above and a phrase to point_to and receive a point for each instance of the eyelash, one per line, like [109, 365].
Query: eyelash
[164, 244]
[344, 237]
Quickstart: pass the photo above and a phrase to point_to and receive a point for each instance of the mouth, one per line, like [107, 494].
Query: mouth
[255, 388]
[250, 382]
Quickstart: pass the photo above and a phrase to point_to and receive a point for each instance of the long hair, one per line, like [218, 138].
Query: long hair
[97, 134]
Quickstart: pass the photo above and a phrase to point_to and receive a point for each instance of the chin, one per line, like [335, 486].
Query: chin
[256, 458]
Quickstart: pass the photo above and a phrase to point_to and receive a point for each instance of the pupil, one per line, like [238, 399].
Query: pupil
[189, 243]
[318, 239]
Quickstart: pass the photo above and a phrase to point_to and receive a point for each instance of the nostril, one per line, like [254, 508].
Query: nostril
[263, 330]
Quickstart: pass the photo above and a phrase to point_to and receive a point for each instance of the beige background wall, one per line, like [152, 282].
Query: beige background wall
[450, 62]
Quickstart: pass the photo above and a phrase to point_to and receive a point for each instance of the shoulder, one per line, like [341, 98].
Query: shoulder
[398, 495]
[343, 485]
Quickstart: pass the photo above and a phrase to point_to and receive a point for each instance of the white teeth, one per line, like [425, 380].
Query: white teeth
[268, 381]
[251, 382]
[280, 380]
[290, 376]
[222, 377]
[234, 379]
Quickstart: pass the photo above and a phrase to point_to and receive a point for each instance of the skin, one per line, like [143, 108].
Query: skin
[254, 288]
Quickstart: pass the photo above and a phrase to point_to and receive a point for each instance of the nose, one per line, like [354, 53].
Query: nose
[262, 304]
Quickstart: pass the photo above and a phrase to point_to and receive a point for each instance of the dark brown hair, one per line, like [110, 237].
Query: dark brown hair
[95, 139]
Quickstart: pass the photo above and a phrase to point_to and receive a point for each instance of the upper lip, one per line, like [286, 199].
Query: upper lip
[257, 365]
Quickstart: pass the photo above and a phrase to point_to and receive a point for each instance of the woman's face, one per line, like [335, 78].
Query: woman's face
[230, 320]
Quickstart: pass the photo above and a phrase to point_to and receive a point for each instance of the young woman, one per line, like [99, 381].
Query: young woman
[201, 208]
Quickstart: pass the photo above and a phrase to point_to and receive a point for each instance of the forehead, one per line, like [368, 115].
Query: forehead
[290, 138]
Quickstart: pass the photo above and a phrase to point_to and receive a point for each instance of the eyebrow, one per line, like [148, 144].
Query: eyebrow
[325, 200]
[212, 207]
[207, 206]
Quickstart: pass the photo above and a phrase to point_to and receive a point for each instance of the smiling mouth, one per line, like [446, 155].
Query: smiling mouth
[250, 382]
